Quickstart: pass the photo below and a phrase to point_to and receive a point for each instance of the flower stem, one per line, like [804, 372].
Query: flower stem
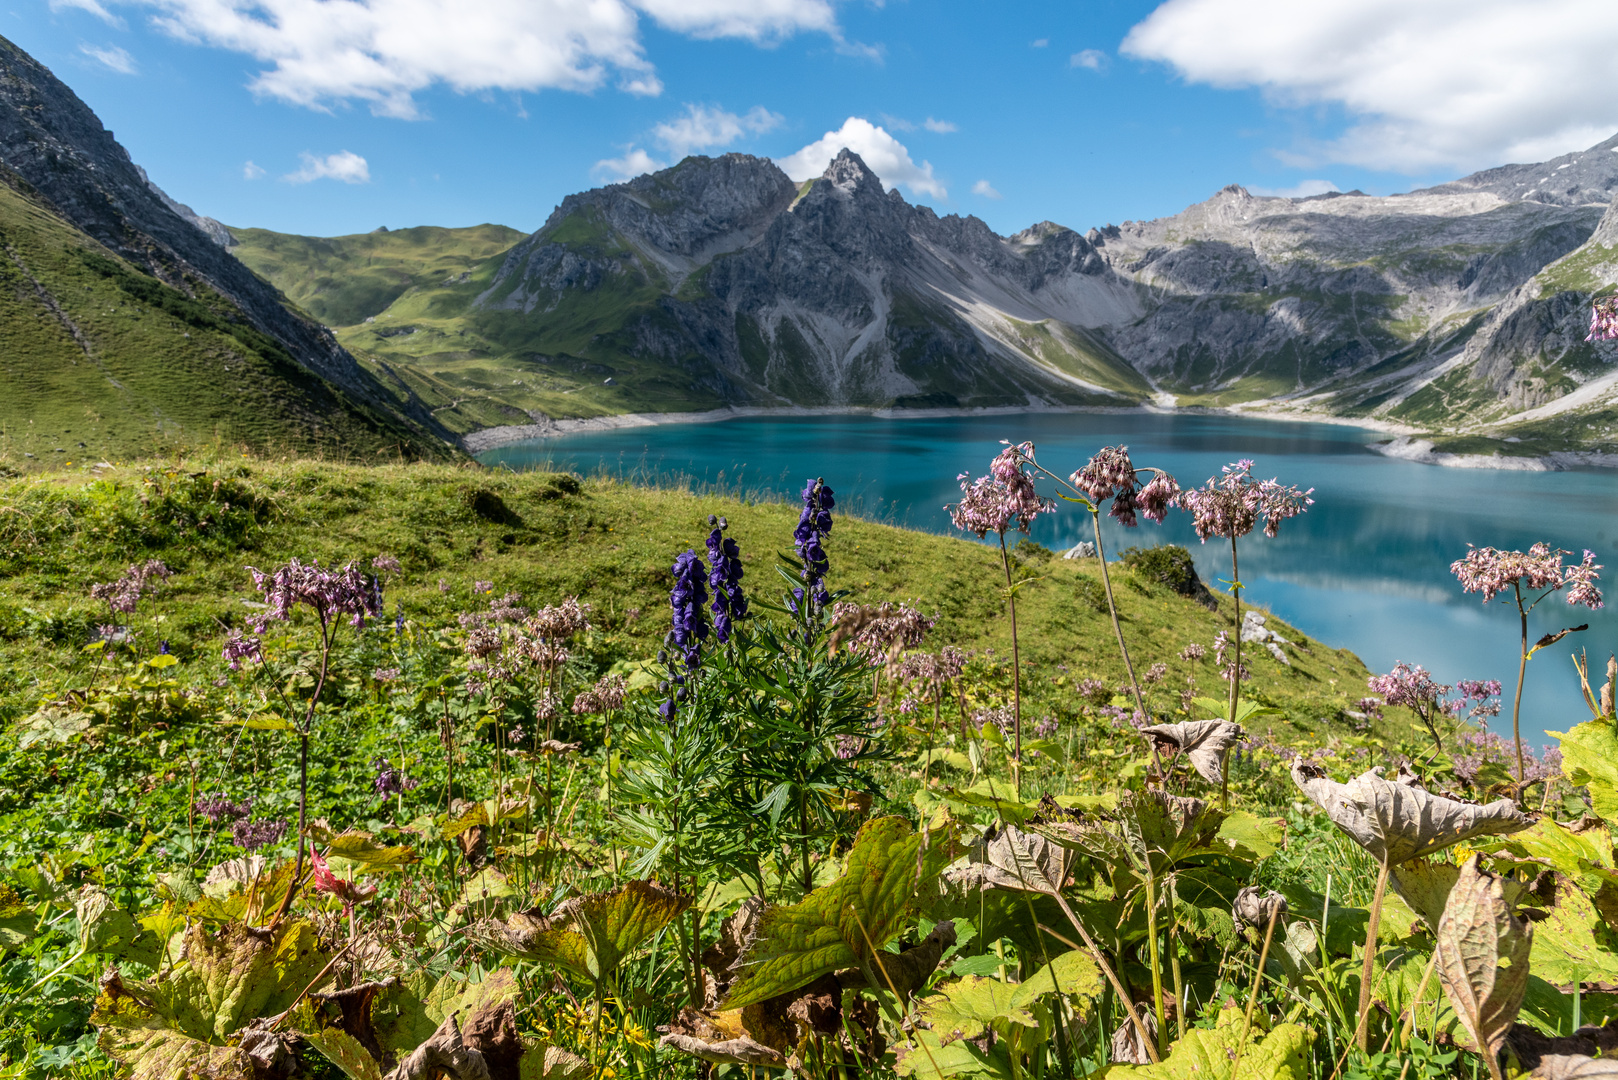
[1016, 675]
[303, 770]
[1252, 997]
[1236, 643]
[1112, 608]
[1361, 1033]
[1522, 670]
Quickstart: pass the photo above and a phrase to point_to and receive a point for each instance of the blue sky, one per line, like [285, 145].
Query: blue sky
[359, 113]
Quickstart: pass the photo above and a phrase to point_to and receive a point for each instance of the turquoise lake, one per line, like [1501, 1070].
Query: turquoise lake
[1367, 568]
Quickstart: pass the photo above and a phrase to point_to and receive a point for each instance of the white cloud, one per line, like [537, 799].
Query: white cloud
[111, 56]
[1094, 59]
[703, 127]
[885, 155]
[1301, 190]
[986, 189]
[756, 20]
[1439, 84]
[321, 52]
[1039, 43]
[251, 171]
[939, 127]
[344, 165]
[634, 162]
[91, 6]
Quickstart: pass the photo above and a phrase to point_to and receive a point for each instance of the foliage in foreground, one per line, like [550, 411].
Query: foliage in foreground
[538, 841]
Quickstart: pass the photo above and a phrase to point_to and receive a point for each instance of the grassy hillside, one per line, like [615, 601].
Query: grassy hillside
[99, 361]
[343, 280]
[610, 544]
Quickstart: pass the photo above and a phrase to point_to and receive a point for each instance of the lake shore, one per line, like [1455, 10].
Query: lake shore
[1406, 444]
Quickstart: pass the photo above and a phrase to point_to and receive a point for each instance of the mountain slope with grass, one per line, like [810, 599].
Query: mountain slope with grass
[344, 280]
[128, 329]
[550, 536]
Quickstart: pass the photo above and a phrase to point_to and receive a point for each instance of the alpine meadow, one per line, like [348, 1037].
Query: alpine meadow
[329, 751]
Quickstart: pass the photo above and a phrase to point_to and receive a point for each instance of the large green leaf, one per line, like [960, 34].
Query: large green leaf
[1073, 975]
[1585, 856]
[138, 1037]
[359, 851]
[592, 935]
[931, 1059]
[227, 978]
[843, 924]
[1206, 1055]
[1573, 943]
[966, 1008]
[344, 1051]
[1252, 837]
[1590, 759]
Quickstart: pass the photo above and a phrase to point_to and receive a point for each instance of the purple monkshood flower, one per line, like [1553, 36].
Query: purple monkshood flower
[163, 647]
[1230, 506]
[1491, 571]
[1111, 474]
[346, 591]
[725, 576]
[388, 780]
[687, 599]
[814, 523]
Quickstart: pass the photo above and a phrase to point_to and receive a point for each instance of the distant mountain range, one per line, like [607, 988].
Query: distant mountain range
[1457, 311]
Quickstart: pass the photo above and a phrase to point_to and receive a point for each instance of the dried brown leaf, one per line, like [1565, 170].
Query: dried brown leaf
[1483, 951]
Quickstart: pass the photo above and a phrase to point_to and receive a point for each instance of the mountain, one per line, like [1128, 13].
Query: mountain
[1459, 310]
[127, 326]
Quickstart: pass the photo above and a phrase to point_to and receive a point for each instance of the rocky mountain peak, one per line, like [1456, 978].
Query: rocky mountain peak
[849, 174]
[1582, 178]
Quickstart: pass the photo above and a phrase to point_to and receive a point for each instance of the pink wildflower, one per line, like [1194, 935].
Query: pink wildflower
[1491, 571]
[1233, 504]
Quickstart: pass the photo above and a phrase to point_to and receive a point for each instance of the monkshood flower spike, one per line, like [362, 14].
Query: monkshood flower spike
[809, 538]
[725, 577]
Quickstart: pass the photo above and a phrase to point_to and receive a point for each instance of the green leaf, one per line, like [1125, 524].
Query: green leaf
[843, 924]
[453, 995]
[163, 660]
[966, 1008]
[1573, 943]
[995, 796]
[542, 1062]
[1245, 709]
[592, 935]
[360, 850]
[344, 1051]
[261, 722]
[930, 1060]
[52, 724]
[1049, 747]
[231, 976]
[1252, 837]
[1206, 1055]
[1073, 974]
[143, 1040]
[1590, 759]
[1584, 856]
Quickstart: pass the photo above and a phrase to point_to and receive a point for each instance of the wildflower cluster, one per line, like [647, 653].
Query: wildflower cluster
[244, 831]
[1603, 319]
[1112, 475]
[881, 631]
[346, 591]
[1491, 571]
[390, 781]
[1230, 506]
[124, 595]
[687, 599]
[239, 647]
[725, 577]
[809, 537]
[1227, 664]
[606, 696]
[1476, 750]
[1006, 497]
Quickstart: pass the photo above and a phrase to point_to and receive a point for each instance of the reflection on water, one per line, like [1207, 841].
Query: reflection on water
[1366, 568]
